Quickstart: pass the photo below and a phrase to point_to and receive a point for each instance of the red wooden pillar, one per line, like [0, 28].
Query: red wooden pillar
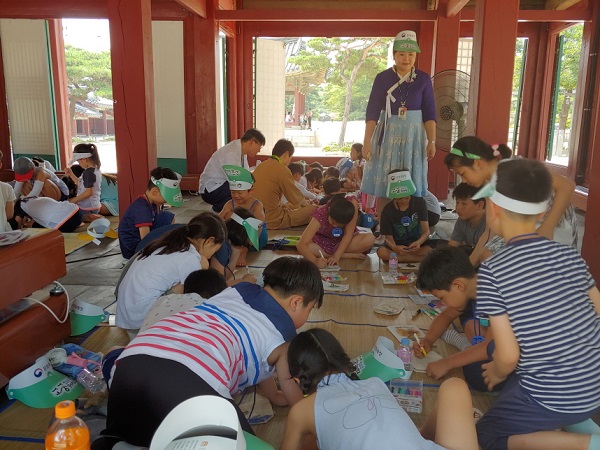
[133, 91]
[447, 33]
[245, 49]
[61, 91]
[4, 129]
[200, 43]
[494, 44]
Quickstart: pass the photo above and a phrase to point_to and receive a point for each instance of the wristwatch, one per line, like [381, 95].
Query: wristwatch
[431, 142]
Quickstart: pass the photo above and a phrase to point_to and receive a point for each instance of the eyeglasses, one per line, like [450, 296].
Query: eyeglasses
[259, 144]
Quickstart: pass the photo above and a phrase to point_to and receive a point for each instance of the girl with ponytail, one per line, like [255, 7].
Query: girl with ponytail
[476, 162]
[163, 265]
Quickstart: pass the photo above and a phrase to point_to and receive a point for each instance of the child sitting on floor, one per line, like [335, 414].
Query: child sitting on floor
[198, 286]
[146, 212]
[470, 224]
[543, 307]
[450, 276]
[342, 413]
[45, 212]
[331, 187]
[164, 264]
[226, 344]
[242, 232]
[404, 221]
[34, 181]
[297, 170]
[331, 234]
[241, 182]
[89, 183]
[314, 179]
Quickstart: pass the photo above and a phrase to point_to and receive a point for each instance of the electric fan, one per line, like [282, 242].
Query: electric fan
[451, 95]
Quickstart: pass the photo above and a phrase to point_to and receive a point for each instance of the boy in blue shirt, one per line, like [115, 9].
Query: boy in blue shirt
[450, 276]
[543, 307]
[404, 221]
[146, 212]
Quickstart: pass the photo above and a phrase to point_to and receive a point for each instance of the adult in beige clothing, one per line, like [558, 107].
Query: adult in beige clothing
[274, 179]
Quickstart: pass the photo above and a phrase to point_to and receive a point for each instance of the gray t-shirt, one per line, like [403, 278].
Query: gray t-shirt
[466, 234]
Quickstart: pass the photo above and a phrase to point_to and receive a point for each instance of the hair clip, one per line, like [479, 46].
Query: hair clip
[496, 152]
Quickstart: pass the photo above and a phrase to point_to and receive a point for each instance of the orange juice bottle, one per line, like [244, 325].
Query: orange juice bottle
[67, 431]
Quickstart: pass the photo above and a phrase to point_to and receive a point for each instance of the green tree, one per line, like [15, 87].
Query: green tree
[87, 72]
[351, 65]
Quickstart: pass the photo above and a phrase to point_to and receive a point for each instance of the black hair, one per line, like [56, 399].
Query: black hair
[316, 165]
[160, 172]
[475, 146]
[332, 172]
[37, 160]
[296, 167]
[441, 266]
[111, 178]
[236, 232]
[282, 146]
[465, 191]
[525, 180]
[341, 210]
[89, 148]
[295, 276]
[359, 148]
[313, 354]
[203, 226]
[315, 176]
[331, 186]
[206, 283]
[253, 133]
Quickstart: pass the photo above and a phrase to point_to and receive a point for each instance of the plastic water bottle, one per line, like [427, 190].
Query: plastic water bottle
[405, 353]
[393, 263]
[92, 381]
[67, 431]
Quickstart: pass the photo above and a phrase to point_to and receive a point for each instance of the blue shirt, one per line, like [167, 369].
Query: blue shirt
[141, 213]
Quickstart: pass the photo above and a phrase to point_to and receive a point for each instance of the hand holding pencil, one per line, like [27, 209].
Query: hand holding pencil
[421, 346]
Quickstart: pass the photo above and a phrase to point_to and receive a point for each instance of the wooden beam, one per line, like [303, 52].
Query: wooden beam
[331, 29]
[197, 7]
[84, 9]
[326, 15]
[560, 4]
[55, 9]
[454, 7]
[542, 15]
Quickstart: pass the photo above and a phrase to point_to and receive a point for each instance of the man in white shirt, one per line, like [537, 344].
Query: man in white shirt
[214, 185]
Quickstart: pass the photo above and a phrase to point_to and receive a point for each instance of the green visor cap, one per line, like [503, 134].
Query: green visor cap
[400, 184]
[406, 41]
[169, 189]
[40, 386]
[240, 179]
[84, 317]
[381, 362]
[251, 225]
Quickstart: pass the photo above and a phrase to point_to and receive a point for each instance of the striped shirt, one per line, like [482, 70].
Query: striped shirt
[226, 340]
[543, 288]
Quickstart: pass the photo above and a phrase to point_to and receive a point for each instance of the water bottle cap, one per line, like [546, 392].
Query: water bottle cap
[64, 410]
[405, 342]
[393, 255]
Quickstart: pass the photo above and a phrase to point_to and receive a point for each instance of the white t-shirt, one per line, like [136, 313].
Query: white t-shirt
[7, 194]
[149, 278]
[48, 212]
[213, 175]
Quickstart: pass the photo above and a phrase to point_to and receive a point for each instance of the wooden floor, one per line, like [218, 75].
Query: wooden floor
[94, 270]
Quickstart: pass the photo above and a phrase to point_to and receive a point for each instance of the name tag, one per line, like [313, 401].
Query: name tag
[402, 113]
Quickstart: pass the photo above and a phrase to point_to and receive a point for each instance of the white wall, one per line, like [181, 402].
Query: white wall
[270, 91]
[28, 84]
[167, 51]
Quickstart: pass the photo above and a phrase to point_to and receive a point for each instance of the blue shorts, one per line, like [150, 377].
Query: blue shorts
[516, 412]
